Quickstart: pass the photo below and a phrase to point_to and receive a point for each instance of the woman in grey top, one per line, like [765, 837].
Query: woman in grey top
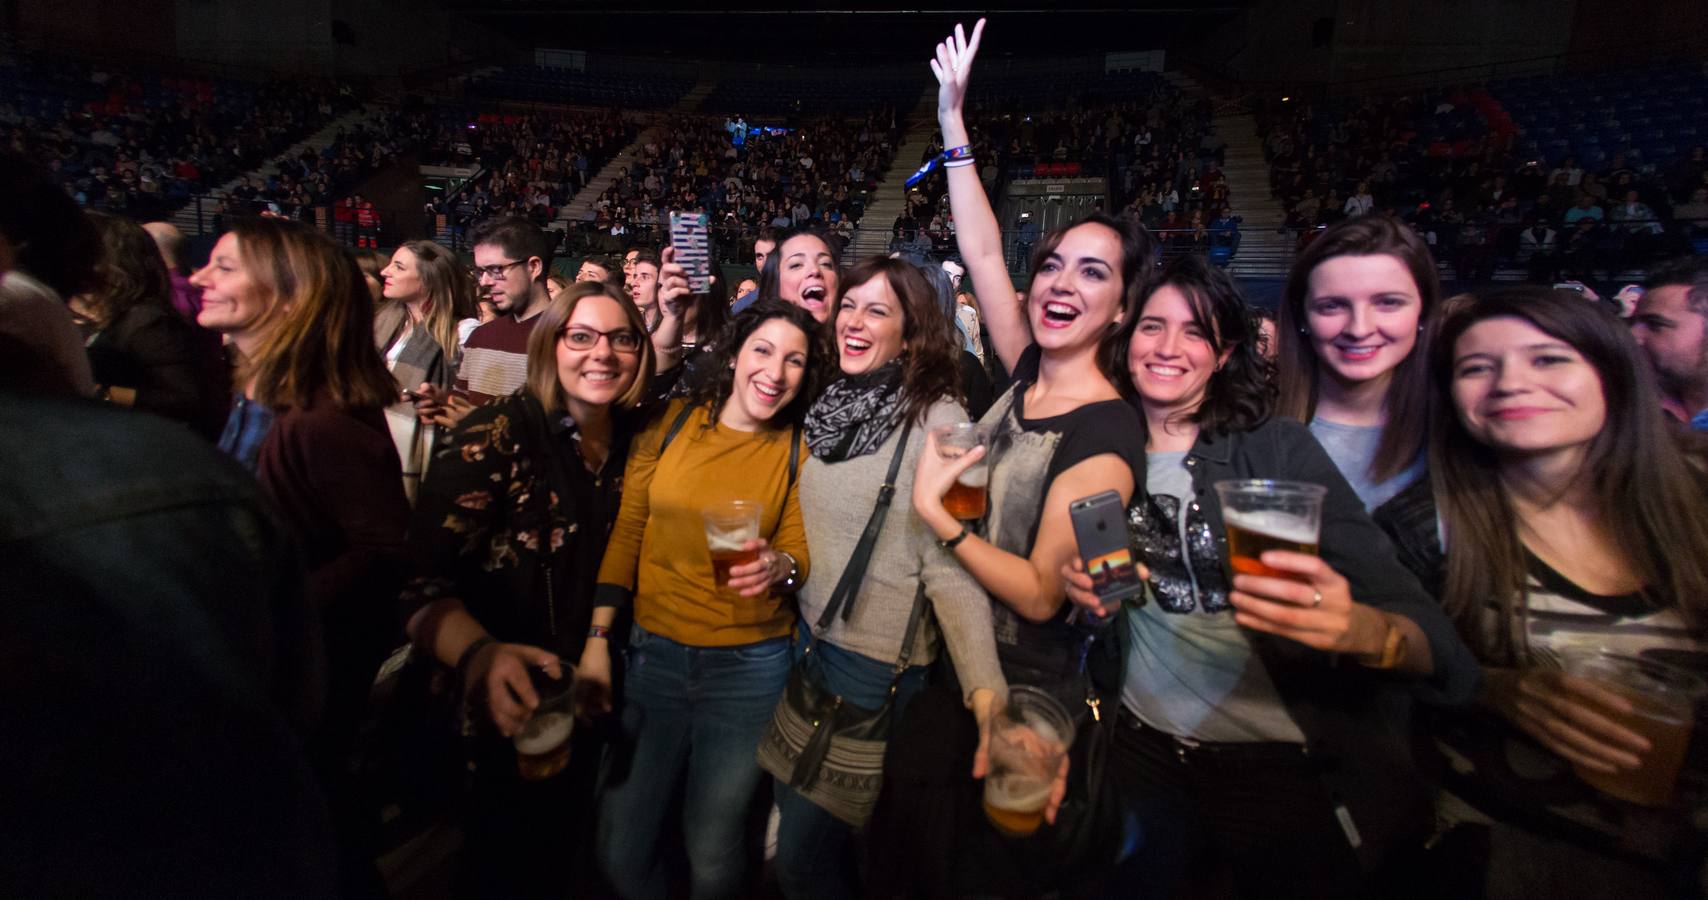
[897, 353]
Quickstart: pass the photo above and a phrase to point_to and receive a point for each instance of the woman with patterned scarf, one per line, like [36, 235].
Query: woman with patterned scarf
[899, 379]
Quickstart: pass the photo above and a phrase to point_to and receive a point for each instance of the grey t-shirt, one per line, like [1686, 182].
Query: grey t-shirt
[1352, 447]
[1191, 670]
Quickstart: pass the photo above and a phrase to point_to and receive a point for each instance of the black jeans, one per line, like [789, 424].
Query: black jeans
[1258, 813]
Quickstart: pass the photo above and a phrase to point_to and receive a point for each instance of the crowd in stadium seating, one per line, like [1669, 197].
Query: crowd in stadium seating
[143, 142]
[1488, 186]
[532, 164]
[818, 172]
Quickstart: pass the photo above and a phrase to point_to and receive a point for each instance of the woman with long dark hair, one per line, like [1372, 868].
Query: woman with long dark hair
[142, 353]
[803, 270]
[1561, 515]
[506, 543]
[1351, 361]
[1247, 702]
[897, 356]
[707, 658]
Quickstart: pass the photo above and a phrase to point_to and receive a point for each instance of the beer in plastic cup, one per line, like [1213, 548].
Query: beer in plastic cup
[1664, 700]
[542, 746]
[729, 526]
[966, 497]
[1028, 739]
[1269, 515]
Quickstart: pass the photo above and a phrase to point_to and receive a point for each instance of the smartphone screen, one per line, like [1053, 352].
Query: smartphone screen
[692, 238]
[1099, 527]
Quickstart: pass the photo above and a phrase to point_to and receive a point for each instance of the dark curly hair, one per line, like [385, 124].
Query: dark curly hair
[1241, 395]
[715, 380]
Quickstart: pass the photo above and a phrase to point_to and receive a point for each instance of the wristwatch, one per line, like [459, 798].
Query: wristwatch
[792, 582]
[955, 541]
[1393, 648]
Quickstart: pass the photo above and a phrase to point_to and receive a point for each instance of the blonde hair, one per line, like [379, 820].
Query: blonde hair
[318, 325]
[542, 381]
[450, 293]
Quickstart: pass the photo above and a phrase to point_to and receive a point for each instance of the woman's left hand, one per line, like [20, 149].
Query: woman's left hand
[1317, 610]
[755, 578]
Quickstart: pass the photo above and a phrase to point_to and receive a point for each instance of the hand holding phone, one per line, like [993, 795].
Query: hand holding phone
[1099, 527]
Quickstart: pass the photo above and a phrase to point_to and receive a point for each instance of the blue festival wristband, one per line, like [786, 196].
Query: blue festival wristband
[951, 155]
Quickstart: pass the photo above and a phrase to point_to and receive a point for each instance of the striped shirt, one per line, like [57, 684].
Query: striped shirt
[495, 359]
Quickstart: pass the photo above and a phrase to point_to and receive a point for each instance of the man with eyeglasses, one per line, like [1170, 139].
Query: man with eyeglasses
[511, 261]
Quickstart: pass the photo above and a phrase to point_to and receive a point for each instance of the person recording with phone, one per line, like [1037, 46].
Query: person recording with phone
[1265, 711]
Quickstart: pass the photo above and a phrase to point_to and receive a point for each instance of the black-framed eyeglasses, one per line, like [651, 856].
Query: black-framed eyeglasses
[579, 337]
[494, 272]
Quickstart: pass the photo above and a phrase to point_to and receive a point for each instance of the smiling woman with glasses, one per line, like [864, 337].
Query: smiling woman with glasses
[508, 535]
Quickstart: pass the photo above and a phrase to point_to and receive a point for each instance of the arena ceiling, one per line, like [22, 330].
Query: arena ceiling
[800, 33]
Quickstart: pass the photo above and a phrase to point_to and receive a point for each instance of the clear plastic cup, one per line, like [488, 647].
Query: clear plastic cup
[729, 526]
[967, 497]
[1028, 739]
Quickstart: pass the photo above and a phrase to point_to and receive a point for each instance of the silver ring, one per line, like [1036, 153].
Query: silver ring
[1316, 599]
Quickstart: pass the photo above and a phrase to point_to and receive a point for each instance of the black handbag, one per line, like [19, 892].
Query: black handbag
[825, 748]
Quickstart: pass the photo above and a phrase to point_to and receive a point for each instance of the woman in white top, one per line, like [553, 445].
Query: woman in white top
[428, 315]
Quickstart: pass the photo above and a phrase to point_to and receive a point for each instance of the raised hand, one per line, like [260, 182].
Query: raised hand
[953, 66]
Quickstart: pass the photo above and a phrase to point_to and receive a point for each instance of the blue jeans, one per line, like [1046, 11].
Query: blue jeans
[812, 845]
[691, 717]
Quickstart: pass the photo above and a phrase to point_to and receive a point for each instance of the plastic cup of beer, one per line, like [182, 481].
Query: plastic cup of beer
[1664, 700]
[729, 526]
[1269, 515]
[542, 746]
[966, 497]
[1028, 739]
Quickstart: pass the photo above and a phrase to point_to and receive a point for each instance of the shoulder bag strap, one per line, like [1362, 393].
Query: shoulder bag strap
[842, 598]
[676, 426]
[907, 642]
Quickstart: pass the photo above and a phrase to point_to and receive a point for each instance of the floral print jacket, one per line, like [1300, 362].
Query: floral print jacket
[518, 543]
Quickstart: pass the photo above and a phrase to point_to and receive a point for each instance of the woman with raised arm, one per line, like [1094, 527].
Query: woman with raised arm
[897, 354]
[1247, 703]
[1351, 358]
[506, 543]
[709, 654]
[1060, 433]
[1561, 517]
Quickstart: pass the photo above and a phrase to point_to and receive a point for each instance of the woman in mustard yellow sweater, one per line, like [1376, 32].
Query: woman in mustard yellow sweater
[706, 662]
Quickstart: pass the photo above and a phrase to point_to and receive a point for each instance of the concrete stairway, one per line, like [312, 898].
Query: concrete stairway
[190, 222]
[872, 237]
[1264, 251]
[699, 92]
[577, 208]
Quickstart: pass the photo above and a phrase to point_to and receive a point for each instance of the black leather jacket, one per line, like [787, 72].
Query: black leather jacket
[1356, 720]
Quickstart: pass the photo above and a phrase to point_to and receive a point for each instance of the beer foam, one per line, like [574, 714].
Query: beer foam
[976, 477]
[1273, 522]
[1018, 793]
[544, 733]
[728, 543]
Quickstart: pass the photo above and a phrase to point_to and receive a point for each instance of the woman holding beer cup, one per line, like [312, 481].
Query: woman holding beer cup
[1350, 358]
[1566, 532]
[507, 538]
[1263, 706]
[898, 359]
[1061, 432]
[709, 656]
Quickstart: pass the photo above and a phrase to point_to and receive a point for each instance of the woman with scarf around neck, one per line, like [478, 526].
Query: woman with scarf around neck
[897, 355]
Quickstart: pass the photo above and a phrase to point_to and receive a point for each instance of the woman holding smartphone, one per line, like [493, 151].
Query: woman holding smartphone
[1561, 516]
[1266, 714]
[1351, 359]
[706, 661]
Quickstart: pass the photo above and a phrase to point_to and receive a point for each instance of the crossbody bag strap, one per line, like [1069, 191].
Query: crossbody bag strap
[848, 586]
[907, 642]
[676, 426]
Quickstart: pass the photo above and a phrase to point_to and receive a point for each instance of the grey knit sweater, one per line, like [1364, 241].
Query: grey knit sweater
[836, 502]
